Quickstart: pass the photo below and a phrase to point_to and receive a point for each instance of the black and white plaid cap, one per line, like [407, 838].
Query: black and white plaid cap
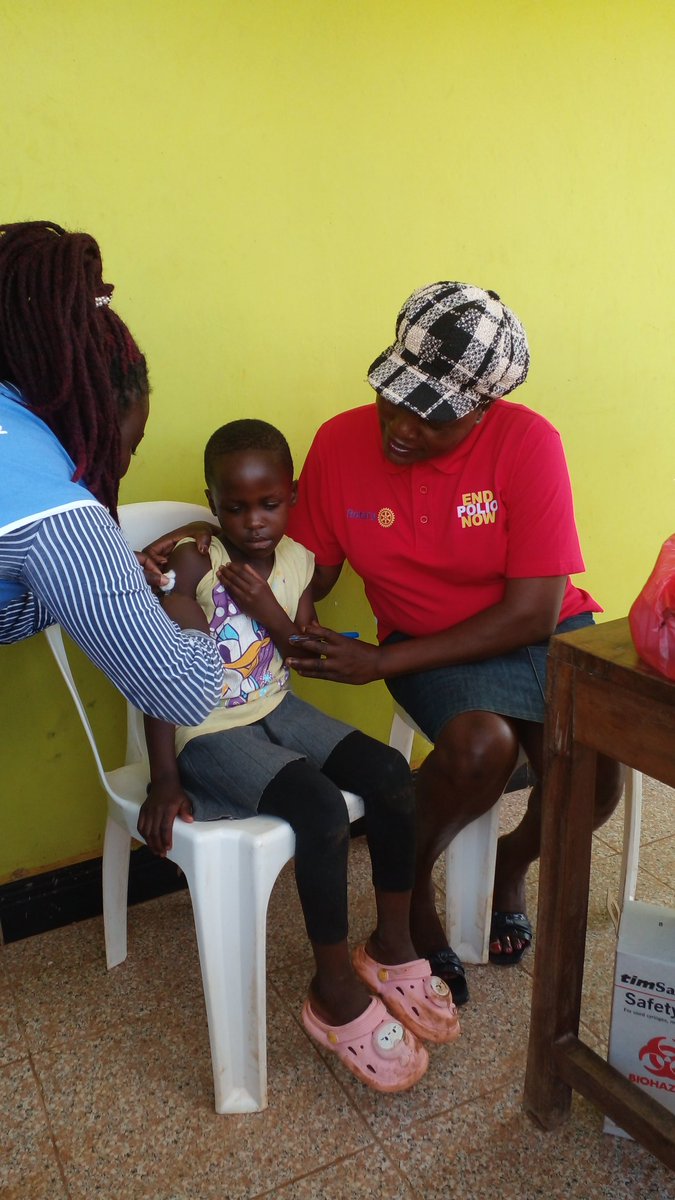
[457, 347]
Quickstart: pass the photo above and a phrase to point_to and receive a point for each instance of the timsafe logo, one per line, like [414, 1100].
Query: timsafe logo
[643, 996]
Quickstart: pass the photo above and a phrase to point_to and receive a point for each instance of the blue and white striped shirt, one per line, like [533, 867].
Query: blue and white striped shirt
[62, 558]
[76, 568]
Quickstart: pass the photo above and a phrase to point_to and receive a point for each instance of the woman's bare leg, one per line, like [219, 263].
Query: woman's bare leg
[461, 779]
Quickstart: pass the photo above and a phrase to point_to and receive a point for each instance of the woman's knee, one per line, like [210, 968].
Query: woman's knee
[477, 750]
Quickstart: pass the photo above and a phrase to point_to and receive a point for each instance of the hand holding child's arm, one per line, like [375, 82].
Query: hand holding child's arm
[162, 547]
[153, 558]
[152, 567]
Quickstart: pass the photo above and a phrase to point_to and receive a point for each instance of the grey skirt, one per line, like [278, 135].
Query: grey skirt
[226, 773]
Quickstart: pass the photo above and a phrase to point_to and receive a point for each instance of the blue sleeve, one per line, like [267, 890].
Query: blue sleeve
[80, 570]
[23, 617]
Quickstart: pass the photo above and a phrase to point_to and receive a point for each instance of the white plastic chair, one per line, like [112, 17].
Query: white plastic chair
[471, 856]
[630, 858]
[230, 868]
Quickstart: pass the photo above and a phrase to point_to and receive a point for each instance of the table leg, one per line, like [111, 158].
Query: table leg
[568, 790]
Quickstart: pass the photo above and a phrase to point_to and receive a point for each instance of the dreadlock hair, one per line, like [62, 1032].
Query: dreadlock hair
[73, 360]
[247, 434]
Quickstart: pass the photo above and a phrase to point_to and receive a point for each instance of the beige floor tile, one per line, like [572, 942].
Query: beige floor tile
[365, 1176]
[67, 1000]
[13, 1044]
[658, 816]
[132, 1113]
[28, 1165]
[608, 839]
[78, 943]
[123, 1064]
[490, 1147]
[4, 967]
[658, 859]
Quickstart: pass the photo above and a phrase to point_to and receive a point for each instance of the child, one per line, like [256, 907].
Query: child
[264, 750]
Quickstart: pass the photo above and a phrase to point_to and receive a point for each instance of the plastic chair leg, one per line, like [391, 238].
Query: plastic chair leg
[230, 893]
[401, 736]
[631, 835]
[469, 882]
[116, 851]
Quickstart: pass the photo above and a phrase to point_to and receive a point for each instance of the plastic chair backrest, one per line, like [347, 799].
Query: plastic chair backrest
[143, 523]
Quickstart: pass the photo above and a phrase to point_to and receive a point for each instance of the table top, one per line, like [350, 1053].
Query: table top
[607, 652]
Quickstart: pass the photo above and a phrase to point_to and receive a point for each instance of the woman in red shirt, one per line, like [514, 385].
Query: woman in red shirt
[454, 506]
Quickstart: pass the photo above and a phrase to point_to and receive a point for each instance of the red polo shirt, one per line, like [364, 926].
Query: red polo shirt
[435, 542]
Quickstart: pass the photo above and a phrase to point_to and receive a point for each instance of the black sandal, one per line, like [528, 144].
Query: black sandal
[506, 924]
[447, 966]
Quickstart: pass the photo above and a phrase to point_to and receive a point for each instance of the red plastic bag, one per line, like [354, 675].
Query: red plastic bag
[652, 615]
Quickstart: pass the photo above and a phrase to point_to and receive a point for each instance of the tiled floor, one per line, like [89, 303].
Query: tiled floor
[105, 1078]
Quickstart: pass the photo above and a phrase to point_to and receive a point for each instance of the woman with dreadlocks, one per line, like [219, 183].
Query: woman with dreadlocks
[73, 407]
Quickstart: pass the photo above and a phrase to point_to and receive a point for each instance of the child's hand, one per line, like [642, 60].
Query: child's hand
[164, 803]
[252, 593]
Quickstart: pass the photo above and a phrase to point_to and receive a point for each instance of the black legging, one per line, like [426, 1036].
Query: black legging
[311, 800]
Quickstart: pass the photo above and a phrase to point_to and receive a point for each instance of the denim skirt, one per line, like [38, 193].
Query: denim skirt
[513, 685]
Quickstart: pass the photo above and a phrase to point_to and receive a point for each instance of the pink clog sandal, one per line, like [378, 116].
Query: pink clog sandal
[376, 1049]
[420, 1000]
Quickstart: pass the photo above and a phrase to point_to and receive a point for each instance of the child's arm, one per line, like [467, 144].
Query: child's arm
[256, 598]
[166, 799]
[180, 603]
[159, 550]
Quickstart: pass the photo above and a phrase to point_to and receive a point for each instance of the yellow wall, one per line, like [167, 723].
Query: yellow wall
[270, 178]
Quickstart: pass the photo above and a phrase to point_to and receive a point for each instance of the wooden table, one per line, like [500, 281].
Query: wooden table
[600, 698]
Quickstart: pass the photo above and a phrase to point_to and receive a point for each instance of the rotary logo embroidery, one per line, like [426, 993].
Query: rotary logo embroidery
[386, 518]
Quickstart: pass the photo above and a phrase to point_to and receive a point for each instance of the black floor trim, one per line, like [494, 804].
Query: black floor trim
[56, 898]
